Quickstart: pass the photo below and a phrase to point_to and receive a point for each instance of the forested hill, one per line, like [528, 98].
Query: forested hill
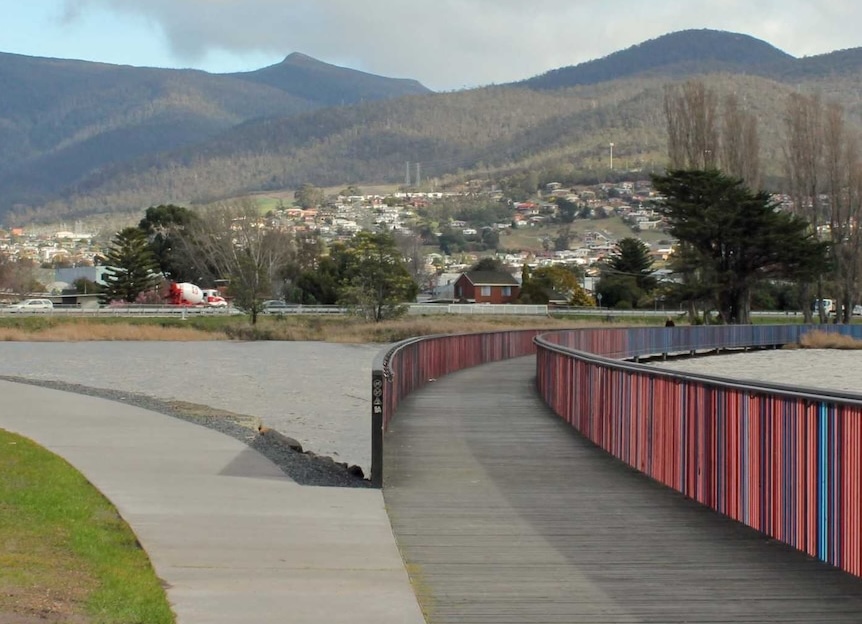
[319, 82]
[677, 54]
[78, 139]
[494, 131]
[62, 120]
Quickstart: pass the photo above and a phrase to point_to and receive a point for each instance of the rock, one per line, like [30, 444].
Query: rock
[272, 434]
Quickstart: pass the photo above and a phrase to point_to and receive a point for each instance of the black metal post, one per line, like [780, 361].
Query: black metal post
[377, 384]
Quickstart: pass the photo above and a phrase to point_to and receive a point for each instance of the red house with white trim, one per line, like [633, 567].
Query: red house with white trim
[487, 287]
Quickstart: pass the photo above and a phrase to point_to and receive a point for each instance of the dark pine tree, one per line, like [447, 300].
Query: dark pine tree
[734, 237]
[632, 257]
[165, 226]
[133, 269]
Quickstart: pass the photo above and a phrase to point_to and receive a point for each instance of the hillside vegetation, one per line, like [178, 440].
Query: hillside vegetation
[563, 120]
[62, 120]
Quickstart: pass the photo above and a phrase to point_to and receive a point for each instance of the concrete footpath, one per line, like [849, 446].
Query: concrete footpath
[233, 538]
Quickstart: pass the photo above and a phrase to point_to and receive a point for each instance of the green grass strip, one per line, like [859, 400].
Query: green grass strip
[64, 549]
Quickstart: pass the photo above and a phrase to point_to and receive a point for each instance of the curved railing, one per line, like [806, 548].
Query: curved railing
[410, 364]
[783, 460]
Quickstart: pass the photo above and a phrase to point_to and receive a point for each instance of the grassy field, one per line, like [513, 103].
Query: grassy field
[65, 554]
[531, 237]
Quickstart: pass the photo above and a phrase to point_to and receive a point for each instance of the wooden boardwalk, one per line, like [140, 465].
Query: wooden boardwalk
[505, 515]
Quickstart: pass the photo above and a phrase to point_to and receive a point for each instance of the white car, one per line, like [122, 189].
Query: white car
[32, 305]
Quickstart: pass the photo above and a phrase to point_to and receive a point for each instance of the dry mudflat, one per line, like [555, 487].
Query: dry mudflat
[830, 369]
[316, 392]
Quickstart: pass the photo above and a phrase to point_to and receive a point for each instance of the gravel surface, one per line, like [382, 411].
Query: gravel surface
[831, 369]
[311, 394]
[316, 393]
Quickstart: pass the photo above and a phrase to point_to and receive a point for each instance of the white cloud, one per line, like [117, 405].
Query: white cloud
[454, 43]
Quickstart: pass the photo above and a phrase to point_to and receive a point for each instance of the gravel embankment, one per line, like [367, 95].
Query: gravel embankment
[316, 393]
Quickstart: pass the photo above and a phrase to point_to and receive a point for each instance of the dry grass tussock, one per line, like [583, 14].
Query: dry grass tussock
[823, 340]
[328, 329]
[346, 330]
[82, 332]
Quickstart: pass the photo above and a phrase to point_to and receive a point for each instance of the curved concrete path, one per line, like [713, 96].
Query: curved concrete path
[505, 514]
[234, 539]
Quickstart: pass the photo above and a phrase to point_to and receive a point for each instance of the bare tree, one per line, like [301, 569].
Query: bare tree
[854, 233]
[691, 114]
[803, 157]
[411, 249]
[18, 277]
[822, 161]
[841, 167]
[231, 240]
[740, 143]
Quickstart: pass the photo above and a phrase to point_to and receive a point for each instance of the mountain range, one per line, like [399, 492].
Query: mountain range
[80, 138]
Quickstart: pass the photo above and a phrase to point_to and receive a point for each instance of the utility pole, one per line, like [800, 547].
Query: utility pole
[612, 156]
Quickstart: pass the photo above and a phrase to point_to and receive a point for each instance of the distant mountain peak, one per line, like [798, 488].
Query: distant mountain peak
[682, 52]
[298, 58]
[327, 84]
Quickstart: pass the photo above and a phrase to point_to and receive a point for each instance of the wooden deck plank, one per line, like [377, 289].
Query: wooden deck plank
[504, 514]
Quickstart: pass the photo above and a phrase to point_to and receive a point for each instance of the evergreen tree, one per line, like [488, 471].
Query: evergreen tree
[539, 285]
[165, 226]
[632, 257]
[733, 237]
[488, 263]
[627, 275]
[308, 196]
[373, 277]
[319, 285]
[132, 268]
[567, 210]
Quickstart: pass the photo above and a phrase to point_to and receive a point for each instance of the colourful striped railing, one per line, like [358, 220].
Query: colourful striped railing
[410, 364]
[785, 461]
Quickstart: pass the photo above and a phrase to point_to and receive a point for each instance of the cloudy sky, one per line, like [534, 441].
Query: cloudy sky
[446, 44]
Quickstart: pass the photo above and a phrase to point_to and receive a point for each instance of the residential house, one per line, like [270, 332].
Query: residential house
[487, 287]
[444, 288]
